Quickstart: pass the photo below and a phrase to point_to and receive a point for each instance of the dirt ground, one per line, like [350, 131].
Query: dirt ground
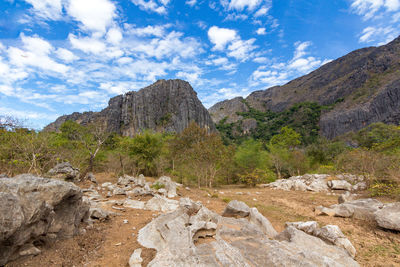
[111, 243]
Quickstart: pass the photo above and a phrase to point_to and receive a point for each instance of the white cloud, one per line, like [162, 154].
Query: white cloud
[261, 31]
[281, 72]
[26, 114]
[36, 54]
[95, 15]
[262, 11]
[47, 9]
[172, 44]
[87, 44]
[150, 30]
[382, 35]
[66, 55]
[220, 37]
[151, 5]
[241, 4]
[191, 2]
[260, 60]
[114, 36]
[241, 50]
[368, 8]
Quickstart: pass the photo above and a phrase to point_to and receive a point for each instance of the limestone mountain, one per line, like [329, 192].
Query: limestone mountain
[166, 105]
[353, 91]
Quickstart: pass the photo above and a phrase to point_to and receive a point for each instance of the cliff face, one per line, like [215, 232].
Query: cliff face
[167, 105]
[363, 86]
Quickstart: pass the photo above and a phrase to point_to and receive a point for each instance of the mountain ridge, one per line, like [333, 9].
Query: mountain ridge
[363, 86]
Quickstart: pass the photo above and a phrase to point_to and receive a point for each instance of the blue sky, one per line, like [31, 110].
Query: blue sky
[61, 56]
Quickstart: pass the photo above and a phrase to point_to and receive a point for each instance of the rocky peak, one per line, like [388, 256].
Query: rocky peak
[166, 105]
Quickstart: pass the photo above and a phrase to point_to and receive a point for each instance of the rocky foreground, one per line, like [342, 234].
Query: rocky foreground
[180, 231]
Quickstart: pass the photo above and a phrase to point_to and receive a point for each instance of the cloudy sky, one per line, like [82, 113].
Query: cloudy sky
[61, 56]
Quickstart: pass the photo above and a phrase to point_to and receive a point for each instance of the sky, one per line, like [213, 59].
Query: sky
[62, 56]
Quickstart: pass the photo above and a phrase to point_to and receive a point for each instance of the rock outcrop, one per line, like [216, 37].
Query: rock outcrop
[34, 210]
[386, 216]
[64, 171]
[167, 105]
[195, 236]
[362, 87]
[320, 183]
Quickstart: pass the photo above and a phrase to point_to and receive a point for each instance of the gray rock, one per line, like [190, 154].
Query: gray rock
[192, 235]
[362, 209]
[98, 213]
[90, 176]
[135, 260]
[29, 250]
[159, 203]
[389, 216]
[329, 233]
[263, 223]
[339, 185]
[119, 191]
[236, 209]
[360, 186]
[32, 208]
[64, 171]
[346, 197]
[3, 175]
[134, 204]
[170, 185]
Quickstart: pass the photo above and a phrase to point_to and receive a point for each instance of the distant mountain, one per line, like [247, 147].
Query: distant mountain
[360, 88]
[166, 105]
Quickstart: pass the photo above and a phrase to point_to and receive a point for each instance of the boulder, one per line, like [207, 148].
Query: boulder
[236, 208]
[263, 223]
[64, 171]
[329, 233]
[346, 197]
[362, 209]
[192, 235]
[134, 204]
[90, 176]
[34, 209]
[389, 216]
[339, 185]
[160, 203]
[170, 185]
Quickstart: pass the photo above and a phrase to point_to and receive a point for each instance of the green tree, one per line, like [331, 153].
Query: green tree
[145, 148]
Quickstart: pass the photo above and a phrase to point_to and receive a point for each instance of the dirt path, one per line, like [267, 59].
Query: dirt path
[112, 242]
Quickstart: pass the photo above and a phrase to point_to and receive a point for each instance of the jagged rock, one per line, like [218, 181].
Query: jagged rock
[360, 186]
[90, 176]
[389, 216]
[33, 208]
[98, 214]
[3, 175]
[140, 191]
[159, 203]
[119, 191]
[339, 185]
[263, 223]
[170, 185]
[134, 204]
[141, 180]
[28, 250]
[236, 209]
[135, 260]
[165, 106]
[346, 197]
[362, 209]
[192, 235]
[64, 171]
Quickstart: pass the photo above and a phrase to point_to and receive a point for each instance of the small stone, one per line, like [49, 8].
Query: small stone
[118, 244]
[236, 209]
[125, 221]
[135, 260]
